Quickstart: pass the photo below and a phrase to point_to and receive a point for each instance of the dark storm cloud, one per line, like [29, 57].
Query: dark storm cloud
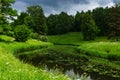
[116, 1]
[70, 6]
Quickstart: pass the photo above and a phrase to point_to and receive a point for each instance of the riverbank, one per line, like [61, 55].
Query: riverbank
[12, 68]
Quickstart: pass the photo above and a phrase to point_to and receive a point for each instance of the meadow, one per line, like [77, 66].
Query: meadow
[107, 50]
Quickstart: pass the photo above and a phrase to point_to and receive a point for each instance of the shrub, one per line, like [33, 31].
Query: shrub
[38, 37]
[21, 33]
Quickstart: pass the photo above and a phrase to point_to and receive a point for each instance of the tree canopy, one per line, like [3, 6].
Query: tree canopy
[37, 14]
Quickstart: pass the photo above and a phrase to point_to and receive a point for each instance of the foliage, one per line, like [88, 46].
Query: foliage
[38, 17]
[51, 23]
[59, 24]
[88, 27]
[21, 33]
[6, 29]
[6, 9]
[101, 16]
[38, 37]
[20, 19]
[78, 22]
[114, 29]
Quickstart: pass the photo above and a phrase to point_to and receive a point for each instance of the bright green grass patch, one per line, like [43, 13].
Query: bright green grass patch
[110, 50]
[16, 47]
[6, 38]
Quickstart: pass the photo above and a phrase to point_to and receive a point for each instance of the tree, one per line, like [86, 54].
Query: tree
[114, 23]
[101, 17]
[59, 24]
[77, 26]
[65, 23]
[88, 27]
[6, 13]
[6, 10]
[20, 19]
[21, 33]
[37, 14]
[51, 23]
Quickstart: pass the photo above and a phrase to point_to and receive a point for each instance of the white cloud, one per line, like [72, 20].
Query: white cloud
[20, 6]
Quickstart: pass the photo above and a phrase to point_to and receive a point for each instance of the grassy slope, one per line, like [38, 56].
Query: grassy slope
[69, 38]
[110, 50]
[72, 38]
[12, 69]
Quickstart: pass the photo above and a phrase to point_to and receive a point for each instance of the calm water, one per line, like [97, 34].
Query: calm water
[77, 74]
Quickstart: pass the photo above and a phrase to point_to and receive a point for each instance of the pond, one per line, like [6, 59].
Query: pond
[74, 65]
[78, 74]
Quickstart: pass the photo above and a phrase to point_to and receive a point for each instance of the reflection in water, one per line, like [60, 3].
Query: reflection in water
[73, 74]
[77, 74]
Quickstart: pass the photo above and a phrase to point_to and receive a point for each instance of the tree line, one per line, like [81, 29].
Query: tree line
[98, 22]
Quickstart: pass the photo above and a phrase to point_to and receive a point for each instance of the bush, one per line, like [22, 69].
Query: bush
[21, 33]
[38, 37]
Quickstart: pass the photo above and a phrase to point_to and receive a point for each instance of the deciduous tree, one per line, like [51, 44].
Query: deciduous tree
[88, 27]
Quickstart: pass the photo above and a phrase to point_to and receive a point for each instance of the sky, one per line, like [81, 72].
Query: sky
[69, 6]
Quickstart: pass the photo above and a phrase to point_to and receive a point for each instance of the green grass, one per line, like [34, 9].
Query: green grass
[6, 38]
[74, 38]
[100, 47]
[16, 47]
[69, 38]
[108, 50]
[13, 69]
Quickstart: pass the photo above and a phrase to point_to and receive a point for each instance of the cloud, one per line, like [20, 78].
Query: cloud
[20, 6]
[69, 6]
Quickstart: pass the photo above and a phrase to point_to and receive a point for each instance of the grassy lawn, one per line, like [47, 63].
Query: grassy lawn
[72, 38]
[69, 38]
[108, 50]
[13, 69]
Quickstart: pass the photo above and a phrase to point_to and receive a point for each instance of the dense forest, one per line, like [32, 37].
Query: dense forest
[98, 22]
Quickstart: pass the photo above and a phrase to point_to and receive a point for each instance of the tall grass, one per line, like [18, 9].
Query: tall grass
[108, 50]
